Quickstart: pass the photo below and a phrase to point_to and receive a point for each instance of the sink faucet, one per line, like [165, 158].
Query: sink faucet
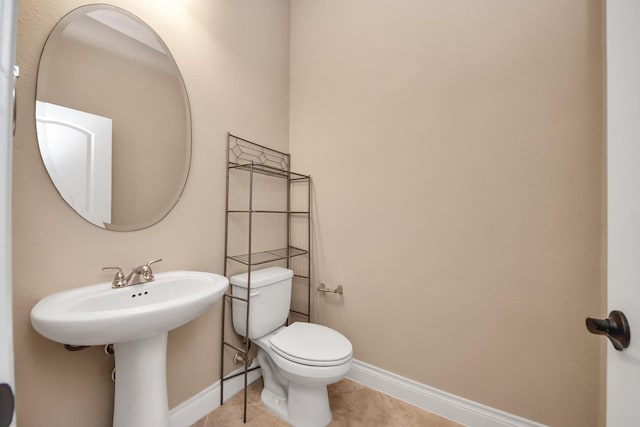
[140, 274]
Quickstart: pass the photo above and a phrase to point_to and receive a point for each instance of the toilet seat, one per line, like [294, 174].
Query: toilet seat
[312, 345]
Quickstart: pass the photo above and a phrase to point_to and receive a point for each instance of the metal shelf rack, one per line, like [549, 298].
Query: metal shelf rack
[255, 159]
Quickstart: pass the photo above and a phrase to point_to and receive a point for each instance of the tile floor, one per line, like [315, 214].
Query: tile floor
[352, 405]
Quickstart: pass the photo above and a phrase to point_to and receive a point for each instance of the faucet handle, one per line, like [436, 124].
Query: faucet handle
[148, 274]
[118, 280]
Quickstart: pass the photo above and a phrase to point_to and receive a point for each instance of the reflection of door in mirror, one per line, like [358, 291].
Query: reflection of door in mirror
[76, 150]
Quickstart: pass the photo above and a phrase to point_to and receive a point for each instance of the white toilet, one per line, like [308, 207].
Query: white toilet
[297, 361]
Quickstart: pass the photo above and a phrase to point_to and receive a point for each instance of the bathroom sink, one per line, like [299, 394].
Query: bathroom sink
[99, 314]
[136, 320]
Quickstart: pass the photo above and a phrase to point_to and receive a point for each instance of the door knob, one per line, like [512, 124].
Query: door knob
[7, 405]
[615, 327]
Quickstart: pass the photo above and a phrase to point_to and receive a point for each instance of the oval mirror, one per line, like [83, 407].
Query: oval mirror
[112, 118]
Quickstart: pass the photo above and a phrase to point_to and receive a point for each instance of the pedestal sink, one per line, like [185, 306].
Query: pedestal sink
[136, 320]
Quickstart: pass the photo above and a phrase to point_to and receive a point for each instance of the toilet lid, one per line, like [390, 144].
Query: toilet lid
[311, 344]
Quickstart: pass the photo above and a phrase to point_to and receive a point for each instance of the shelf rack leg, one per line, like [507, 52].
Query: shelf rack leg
[224, 304]
[224, 299]
[246, 329]
[309, 249]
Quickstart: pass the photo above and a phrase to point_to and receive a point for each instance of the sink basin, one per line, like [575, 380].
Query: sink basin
[98, 314]
[136, 320]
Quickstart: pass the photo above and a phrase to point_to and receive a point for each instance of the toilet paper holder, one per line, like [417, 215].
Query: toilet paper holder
[338, 290]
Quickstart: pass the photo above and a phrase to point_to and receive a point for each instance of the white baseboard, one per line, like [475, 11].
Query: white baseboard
[447, 405]
[199, 406]
[439, 402]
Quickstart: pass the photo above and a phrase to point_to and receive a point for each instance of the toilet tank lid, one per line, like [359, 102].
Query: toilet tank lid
[265, 276]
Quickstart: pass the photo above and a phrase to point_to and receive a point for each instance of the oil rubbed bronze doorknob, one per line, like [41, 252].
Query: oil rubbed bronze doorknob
[7, 405]
[615, 327]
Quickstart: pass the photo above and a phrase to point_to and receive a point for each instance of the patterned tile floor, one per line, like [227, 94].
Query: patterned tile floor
[352, 405]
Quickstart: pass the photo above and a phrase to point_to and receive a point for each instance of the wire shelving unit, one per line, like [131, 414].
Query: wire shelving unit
[244, 156]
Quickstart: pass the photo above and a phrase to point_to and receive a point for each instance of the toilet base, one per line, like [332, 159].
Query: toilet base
[275, 404]
[306, 406]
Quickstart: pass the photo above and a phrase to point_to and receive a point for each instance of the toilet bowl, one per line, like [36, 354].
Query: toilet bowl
[297, 361]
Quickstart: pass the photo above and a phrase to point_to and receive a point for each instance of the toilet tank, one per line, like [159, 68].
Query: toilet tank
[270, 300]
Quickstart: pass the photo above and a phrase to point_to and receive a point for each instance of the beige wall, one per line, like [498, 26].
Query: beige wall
[234, 59]
[456, 151]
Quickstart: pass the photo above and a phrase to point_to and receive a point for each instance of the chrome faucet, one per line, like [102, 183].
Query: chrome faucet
[140, 274]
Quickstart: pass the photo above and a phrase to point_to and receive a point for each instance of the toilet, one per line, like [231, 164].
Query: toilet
[297, 361]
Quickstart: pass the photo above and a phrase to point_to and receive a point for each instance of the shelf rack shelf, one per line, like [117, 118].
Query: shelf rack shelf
[267, 211]
[254, 159]
[265, 257]
[268, 170]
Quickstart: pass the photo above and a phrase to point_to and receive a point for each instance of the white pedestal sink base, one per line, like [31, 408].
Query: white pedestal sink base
[141, 383]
